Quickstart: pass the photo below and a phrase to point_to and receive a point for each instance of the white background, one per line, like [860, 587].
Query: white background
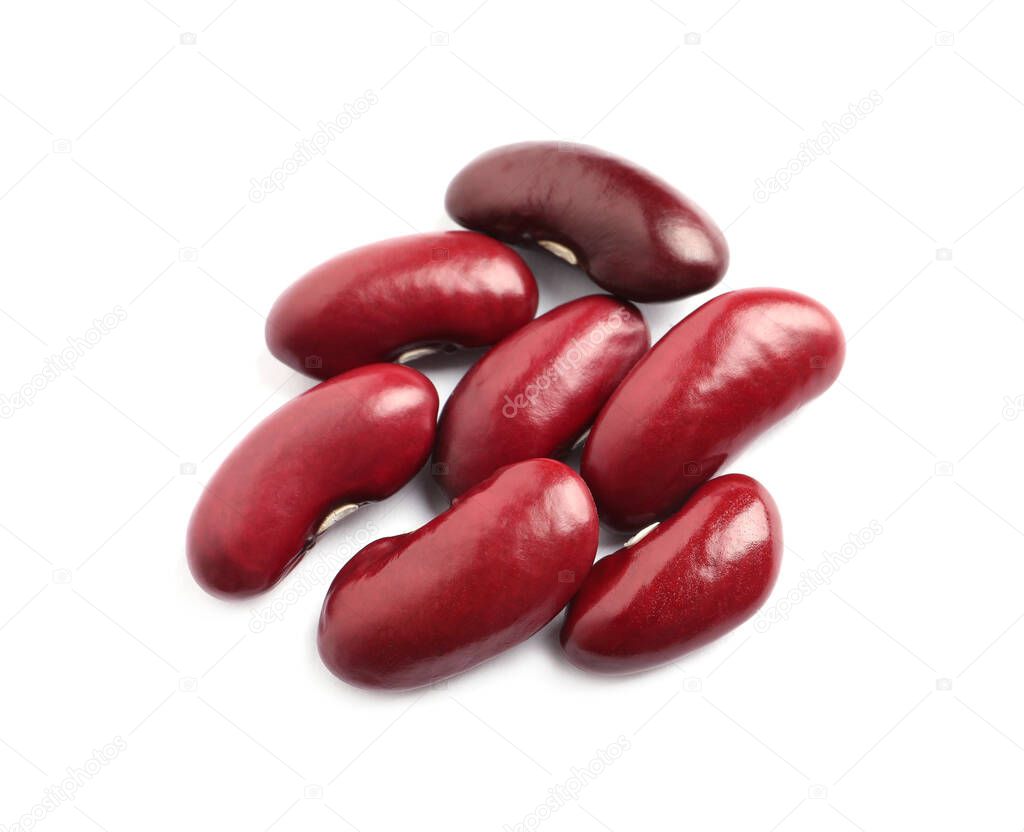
[887, 699]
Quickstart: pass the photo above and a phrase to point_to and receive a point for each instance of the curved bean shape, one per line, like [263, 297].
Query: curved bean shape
[354, 439]
[485, 575]
[634, 234]
[698, 575]
[715, 381]
[537, 391]
[401, 298]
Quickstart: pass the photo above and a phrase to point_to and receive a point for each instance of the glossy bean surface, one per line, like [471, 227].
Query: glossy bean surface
[485, 575]
[356, 438]
[384, 300]
[698, 575]
[719, 378]
[538, 390]
[634, 234]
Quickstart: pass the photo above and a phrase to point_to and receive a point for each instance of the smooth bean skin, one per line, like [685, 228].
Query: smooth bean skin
[720, 377]
[372, 304]
[634, 234]
[698, 575]
[356, 438]
[538, 390]
[487, 574]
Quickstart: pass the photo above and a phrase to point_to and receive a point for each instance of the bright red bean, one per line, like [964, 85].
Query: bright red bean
[485, 575]
[715, 381]
[634, 234]
[696, 576]
[385, 300]
[354, 439]
[537, 391]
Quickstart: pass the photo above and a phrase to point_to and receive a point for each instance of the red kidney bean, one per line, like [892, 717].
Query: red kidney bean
[634, 234]
[537, 391]
[480, 578]
[696, 576]
[354, 439]
[715, 381]
[401, 298]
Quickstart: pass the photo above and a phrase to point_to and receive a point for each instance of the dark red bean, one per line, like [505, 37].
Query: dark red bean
[537, 391]
[698, 575]
[354, 439]
[634, 234]
[480, 578]
[400, 298]
[715, 381]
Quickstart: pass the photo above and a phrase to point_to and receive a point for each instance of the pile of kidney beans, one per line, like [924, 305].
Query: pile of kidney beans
[519, 541]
